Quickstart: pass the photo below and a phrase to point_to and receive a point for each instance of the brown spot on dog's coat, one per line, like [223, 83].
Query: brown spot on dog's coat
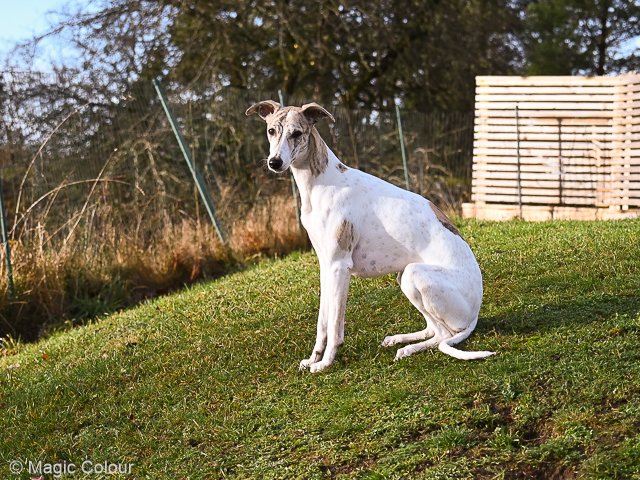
[346, 235]
[444, 220]
[342, 168]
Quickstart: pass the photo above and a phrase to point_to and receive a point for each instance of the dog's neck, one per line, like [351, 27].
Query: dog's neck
[308, 171]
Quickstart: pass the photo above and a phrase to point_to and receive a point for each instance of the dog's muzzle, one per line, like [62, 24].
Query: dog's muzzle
[275, 164]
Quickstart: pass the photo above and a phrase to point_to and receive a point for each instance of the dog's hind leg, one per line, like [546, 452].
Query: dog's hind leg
[407, 337]
[449, 301]
[409, 350]
[440, 333]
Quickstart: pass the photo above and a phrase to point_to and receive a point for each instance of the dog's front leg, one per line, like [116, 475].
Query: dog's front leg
[321, 334]
[333, 297]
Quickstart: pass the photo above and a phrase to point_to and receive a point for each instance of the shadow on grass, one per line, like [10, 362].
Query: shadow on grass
[85, 299]
[543, 317]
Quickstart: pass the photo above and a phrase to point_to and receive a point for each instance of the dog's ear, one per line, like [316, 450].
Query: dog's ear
[264, 108]
[315, 113]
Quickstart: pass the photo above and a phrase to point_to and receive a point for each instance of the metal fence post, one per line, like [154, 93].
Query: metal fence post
[518, 154]
[294, 187]
[5, 241]
[200, 183]
[560, 160]
[402, 150]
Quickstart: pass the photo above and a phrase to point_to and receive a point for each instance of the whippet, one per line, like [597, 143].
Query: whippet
[363, 226]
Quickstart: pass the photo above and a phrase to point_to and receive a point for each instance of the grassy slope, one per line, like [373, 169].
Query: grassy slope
[205, 384]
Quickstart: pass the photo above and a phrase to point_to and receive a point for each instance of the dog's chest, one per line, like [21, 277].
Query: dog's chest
[372, 262]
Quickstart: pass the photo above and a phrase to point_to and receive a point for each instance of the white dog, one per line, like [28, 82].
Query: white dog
[360, 225]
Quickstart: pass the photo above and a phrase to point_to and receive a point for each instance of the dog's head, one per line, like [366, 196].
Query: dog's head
[291, 132]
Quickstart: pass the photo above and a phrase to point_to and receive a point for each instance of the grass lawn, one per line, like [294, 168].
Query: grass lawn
[205, 383]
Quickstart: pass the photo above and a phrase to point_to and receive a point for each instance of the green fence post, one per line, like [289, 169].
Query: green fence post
[294, 188]
[402, 150]
[200, 183]
[5, 241]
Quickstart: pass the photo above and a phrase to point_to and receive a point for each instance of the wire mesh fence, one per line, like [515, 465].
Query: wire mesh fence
[78, 156]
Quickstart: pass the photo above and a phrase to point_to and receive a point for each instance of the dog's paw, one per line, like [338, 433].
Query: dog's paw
[304, 364]
[403, 353]
[318, 367]
[389, 341]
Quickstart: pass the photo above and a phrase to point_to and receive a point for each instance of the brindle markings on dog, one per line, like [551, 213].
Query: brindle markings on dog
[444, 220]
[346, 234]
[276, 119]
[319, 157]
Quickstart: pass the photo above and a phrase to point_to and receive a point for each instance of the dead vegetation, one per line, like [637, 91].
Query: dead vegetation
[105, 266]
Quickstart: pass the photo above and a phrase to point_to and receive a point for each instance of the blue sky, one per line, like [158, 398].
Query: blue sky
[633, 44]
[22, 19]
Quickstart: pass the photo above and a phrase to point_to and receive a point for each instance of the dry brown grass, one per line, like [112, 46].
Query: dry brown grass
[105, 266]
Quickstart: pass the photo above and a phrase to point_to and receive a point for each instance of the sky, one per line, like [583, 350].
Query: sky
[20, 20]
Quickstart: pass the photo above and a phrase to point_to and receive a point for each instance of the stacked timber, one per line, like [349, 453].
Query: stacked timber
[569, 145]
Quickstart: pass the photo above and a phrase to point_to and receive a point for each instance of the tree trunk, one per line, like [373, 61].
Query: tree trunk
[602, 40]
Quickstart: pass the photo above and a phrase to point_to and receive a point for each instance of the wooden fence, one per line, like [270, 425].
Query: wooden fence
[556, 147]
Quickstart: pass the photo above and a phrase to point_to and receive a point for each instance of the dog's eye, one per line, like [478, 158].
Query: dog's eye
[296, 134]
[272, 131]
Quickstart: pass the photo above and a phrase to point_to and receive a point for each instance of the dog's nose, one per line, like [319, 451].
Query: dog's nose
[275, 163]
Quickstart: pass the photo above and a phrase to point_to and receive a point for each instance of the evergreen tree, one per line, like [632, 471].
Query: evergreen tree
[586, 37]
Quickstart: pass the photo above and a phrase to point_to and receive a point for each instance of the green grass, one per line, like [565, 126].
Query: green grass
[205, 383]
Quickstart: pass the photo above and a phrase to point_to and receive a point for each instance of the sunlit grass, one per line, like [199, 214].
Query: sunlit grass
[205, 383]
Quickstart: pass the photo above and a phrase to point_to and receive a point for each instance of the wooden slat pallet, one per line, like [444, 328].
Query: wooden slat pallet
[539, 213]
[572, 151]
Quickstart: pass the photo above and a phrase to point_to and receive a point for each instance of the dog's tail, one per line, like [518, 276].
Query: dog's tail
[445, 345]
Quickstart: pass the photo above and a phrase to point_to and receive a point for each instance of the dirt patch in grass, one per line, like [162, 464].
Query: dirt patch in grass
[347, 468]
[526, 472]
